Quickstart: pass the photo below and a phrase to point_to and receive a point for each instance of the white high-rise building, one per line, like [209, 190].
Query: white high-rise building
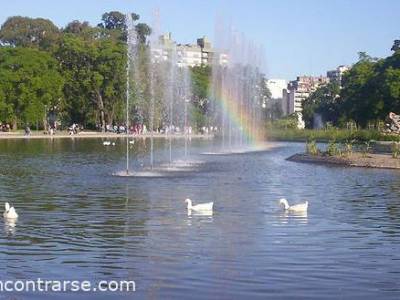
[276, 87]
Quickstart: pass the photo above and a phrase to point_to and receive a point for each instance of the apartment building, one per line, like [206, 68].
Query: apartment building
[298, 90]
[201, 53]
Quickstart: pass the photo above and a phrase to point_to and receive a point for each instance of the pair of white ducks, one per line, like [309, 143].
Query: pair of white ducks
[9, 212]
[208, 207]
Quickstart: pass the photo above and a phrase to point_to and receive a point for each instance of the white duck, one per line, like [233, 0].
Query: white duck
[10, 212]
[132, 142]
[204, 207]
[106, 143]
[302, 207]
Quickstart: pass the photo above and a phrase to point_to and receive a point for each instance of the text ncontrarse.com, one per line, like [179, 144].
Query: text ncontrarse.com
[42, 285]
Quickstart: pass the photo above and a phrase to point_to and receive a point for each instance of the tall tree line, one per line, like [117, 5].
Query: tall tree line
[79, 71]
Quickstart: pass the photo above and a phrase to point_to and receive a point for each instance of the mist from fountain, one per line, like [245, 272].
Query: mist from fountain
[132, 53]
[171, 94]
[237, 102]
[159, 84]
[159, 87]
[171, 88]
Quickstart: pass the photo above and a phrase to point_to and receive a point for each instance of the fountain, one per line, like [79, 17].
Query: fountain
[235, 92]
[161, 88]
[131, 59]
[172, 93]
[159, 81]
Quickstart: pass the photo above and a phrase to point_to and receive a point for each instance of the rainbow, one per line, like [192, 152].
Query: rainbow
[241, 118]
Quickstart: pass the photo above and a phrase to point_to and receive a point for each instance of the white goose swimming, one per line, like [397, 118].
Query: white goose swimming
[106, 143]
[203, 207]
[302, 207]
[9, 212]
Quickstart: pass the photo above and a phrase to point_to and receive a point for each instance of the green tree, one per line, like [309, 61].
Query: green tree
[29, 82]
[359, 101]
[396, 45]
[94, 72]
[323, 101]
[371, 89]
[386, 83]
[272, 109]
[113, 20]
[143, 30]
[200, 77]
[76, 27]
[28, 32]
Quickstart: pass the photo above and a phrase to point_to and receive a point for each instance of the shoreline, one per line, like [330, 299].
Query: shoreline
[370, 160]
[89, 134]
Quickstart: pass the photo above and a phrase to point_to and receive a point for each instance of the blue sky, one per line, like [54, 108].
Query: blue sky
[299, 37]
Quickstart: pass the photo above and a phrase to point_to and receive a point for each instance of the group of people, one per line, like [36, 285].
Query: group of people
[209, 130]
[115, 128]
[134, 129]
[138, 129]
[176, 129]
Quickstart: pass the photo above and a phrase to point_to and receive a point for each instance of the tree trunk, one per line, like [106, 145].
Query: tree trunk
[100, 105]
[111, 116]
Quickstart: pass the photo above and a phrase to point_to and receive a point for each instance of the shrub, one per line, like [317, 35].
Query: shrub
[367, 148]
[395, 150]
[311, 147]
[333, 148]
[348, 147]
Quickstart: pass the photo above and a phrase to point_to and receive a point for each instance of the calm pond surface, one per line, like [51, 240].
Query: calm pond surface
[79, 222]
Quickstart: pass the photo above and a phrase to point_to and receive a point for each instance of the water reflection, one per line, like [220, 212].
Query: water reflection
[80, 222]
[199, 219]
[298, 217]
[10, 226]
[194, 213]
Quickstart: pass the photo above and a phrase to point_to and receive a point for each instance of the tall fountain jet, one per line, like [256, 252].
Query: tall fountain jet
[171, 94]
[132, 53]
[170, 89]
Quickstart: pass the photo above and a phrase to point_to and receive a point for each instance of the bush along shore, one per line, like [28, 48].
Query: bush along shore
[350, 154]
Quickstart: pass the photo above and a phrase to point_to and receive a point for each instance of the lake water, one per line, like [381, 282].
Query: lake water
[77, 222]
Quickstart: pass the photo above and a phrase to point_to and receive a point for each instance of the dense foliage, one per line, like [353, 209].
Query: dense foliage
[324, 101]
[370, 90]
[77, 72]
[29, 82]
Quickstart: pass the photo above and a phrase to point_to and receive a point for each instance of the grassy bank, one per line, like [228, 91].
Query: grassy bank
[339, 135]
